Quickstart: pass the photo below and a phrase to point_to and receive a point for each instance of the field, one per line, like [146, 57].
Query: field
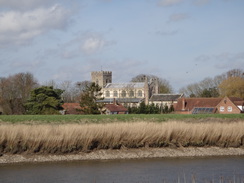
[72, 134]
[118, 118]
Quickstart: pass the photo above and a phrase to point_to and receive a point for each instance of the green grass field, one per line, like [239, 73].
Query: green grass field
[116, 118]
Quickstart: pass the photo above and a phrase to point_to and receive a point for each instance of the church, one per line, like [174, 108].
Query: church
[128, 94]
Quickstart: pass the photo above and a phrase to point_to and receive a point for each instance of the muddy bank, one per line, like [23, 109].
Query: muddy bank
[127, 154]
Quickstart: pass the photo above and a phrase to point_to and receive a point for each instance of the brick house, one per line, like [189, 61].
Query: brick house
[71, 108]
[114, 108]
[190, 105]
[230, 105]
[226, 105]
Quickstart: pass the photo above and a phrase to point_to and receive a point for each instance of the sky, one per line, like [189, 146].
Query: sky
[182, 41]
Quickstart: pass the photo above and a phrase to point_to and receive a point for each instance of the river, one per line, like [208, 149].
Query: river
[158, 170]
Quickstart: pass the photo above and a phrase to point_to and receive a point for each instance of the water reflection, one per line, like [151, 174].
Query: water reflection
[161, 170]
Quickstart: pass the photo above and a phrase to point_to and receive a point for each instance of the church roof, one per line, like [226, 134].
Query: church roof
[125, 85]
[165, 97]
[121, 100]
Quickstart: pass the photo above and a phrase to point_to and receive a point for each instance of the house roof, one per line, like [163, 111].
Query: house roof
[71, 105]
[191, 103]
[125, 85]
[115, 108]
[239, 103]
[72, 108]
[165, 97]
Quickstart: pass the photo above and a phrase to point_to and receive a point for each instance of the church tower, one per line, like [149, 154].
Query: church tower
[102, 78]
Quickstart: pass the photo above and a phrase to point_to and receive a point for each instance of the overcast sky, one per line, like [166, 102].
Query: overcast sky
[182, 41]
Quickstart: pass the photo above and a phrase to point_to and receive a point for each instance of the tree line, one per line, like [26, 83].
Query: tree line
[22, 94]
[229, 84]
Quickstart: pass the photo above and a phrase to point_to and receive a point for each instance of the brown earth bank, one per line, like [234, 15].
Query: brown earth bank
[125, 154]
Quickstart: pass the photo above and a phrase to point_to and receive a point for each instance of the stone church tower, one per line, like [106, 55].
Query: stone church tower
[102, 78]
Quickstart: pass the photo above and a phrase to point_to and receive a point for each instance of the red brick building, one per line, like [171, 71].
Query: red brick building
[226, 105]
[230, 105]
[72, 108]
[114, 109]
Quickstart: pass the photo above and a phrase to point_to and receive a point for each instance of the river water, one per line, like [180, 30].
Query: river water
[158, 170]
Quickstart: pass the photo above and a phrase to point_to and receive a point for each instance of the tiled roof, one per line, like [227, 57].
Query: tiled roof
[239, 103]
[235, 99]
[115, 108]
[125, 85]
[191, 103]
[72, 108]
[165, 97]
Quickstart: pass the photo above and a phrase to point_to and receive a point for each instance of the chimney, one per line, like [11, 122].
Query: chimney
[183, 104]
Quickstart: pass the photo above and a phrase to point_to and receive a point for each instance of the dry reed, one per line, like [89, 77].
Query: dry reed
[68, 138]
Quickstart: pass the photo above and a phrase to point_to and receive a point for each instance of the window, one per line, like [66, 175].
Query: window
[115, 94]
[139, 93]
[222, 109]
[229, 109]
[107, 94]
[203, 110]
[131, 94]
[123, 93]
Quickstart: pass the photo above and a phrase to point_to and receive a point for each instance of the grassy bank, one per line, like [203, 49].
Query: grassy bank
[70, 138]
[117, 118]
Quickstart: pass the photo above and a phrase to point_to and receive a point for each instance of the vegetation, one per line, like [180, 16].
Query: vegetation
[69, 138]
[89, 97]
[150, 109]
[164, 86]
[44, 100]
[14, 92]
[232, 86]
[228, 84]
[61, 119]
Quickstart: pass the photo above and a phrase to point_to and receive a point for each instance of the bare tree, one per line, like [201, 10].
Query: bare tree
[14, 92]
[209, 85]
[163, 84]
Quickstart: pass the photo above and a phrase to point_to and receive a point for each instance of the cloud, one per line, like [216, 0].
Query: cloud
[169, 2]
[203, 58]
[178, 17]
[26, 4]
[201, 2]
[229, 60]
[94, 42]
[167, 33]
[18, 27]
[225, 60]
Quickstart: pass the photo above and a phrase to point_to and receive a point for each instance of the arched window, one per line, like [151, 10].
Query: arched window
[115, 94]
[139, 93]
[131, 94]
[123, 93]
[107, 93]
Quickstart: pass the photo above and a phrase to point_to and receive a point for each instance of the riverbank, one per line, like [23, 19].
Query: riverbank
[126, 154]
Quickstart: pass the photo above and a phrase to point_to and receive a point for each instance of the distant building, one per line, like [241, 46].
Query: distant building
[231, 105]
[165, 99]
[71, 108]
[226, 105]
[128, 94]
[114, 108]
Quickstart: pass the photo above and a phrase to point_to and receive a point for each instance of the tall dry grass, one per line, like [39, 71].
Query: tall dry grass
[66, 138]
